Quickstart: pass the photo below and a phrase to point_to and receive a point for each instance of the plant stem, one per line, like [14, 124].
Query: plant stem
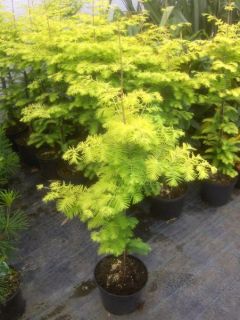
[8, 219]
[93, 19]
[124, 263]
[13, 13]
[4, 85]
[26, 83]
[29, 13]
[48, 24]
[121, 76]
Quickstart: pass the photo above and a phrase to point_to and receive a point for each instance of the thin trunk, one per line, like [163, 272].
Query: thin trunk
[124, 263]
[93, 19]
[13, 13]
[10, 79]
[8, 219]
[121, 76]
[48, 24]
[222, 115]
[26, 84]
[29, 13]
[4, 85]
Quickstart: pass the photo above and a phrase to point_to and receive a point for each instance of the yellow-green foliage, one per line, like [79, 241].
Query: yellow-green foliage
[132, 92]
[73, 64]
[131, 160]
[218, 74]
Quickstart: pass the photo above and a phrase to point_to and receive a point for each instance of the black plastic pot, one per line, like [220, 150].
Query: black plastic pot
[66, 174]
[14, 307]
[121, 304]
[216, 194]
[237, 185]
[27, 155]
[13, 133]
[48, 166]
[167, 209]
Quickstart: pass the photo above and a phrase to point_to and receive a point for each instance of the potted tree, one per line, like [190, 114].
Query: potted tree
[12, 304]
[218, 95]
[128, 159]
[49, 132]
[180, 168]
[220, 138]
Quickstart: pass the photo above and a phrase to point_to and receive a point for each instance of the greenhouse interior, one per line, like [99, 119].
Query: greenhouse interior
[120, 160]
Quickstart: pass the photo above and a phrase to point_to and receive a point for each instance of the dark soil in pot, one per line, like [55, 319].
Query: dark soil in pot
[13, 133]
[14, 305]
[120, 285]
[69, 174]
[27, 153]
[217, 191]
[48, 160]
[169, 204]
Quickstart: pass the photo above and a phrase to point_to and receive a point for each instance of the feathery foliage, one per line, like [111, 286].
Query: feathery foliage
[219, 98]
[131, 160]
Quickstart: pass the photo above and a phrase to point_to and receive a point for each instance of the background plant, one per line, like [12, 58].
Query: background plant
[9, 161]
[219, 97]
[12, 222]
[162, 12]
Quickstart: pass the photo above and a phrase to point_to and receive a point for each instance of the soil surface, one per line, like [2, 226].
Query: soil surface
[121, 277]
[47, 154]
[172, 192]
[221, 179]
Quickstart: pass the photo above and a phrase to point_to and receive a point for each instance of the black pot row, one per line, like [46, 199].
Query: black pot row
[213, 193]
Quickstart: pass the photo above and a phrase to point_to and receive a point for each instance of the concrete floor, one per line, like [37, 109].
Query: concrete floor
[194, 266]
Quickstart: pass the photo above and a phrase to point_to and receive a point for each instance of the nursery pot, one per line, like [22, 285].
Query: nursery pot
[48, 161]
[237, 185]
[14, 307]
[217, 194]
[121, 304]
[27, 153]
[68, 175]
[167, 209]
[13, 132]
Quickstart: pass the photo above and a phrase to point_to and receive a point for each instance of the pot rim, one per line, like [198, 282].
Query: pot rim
[121, 295]
[231, 182]
[173, 199]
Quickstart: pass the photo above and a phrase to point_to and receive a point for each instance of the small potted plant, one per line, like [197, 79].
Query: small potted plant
[49, 132]
[9, 161]
[220, 138]
[128, 160]
[12, 304]
[182, 167]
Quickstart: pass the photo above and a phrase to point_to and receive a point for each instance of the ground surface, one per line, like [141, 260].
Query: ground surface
[193, 267]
